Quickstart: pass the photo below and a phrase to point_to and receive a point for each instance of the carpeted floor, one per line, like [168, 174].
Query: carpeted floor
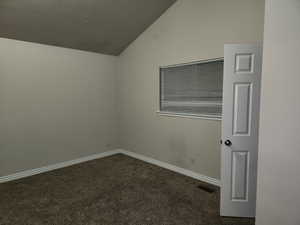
[116, 190]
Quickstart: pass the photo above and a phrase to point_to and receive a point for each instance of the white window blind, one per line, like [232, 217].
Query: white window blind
[192, 89]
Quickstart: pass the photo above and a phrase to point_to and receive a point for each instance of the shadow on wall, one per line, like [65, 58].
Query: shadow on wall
[178, 147]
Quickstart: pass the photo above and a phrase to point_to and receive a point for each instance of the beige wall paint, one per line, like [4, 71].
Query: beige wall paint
[190, 30]
[56, 104]
[278, 199]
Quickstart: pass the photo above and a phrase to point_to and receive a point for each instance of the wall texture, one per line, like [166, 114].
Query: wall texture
[56, 104]
[278, 200]
[59, 104]
[190, 30]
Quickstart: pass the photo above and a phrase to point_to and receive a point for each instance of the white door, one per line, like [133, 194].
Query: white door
[241, 98]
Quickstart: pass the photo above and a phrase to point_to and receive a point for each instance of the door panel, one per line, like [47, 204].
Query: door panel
[241, 97]
[242, 106]
[239, 175]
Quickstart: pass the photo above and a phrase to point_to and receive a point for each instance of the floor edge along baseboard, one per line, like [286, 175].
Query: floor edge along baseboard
[171, 167]
[32, 172]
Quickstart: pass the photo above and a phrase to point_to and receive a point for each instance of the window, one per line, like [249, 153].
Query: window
[192, 89]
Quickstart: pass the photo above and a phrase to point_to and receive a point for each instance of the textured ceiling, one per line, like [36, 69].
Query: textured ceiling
[104, 26]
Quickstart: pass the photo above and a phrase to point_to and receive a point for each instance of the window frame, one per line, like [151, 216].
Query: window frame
[185, 115]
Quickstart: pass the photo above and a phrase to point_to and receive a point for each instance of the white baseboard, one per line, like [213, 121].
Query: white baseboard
[44, 169]
[177, 169]
[168, 166]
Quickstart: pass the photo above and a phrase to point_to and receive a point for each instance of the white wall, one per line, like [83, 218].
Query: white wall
[56, 104]
[190, 30]
[278, 200]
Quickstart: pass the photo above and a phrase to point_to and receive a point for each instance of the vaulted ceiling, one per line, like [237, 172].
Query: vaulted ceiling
[103, 26]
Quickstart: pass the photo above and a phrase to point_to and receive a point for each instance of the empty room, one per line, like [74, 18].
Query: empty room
[149, 112]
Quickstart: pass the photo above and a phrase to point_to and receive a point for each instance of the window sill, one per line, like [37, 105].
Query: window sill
[191, 116]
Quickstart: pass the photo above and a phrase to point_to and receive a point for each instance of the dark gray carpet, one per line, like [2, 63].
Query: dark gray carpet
[116, 190]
